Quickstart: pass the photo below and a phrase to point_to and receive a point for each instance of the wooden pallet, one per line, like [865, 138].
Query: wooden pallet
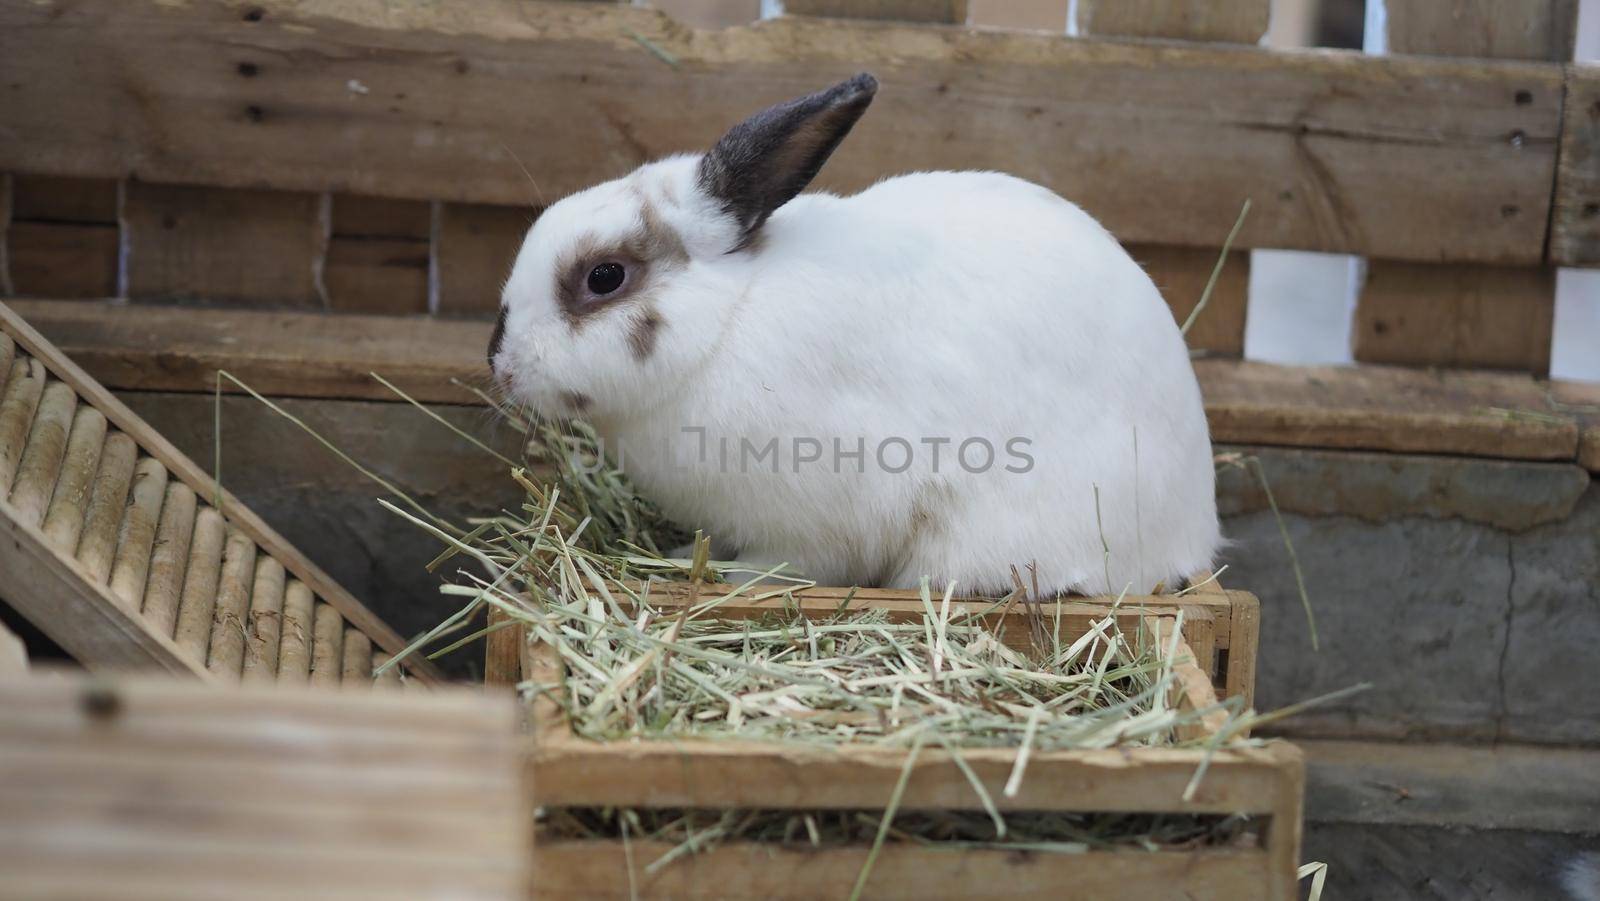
[1266, 783]
[128, 555]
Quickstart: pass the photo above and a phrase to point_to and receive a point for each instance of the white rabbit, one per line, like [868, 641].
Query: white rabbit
[813, 379]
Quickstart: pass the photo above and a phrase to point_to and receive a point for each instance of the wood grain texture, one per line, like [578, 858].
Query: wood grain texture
[1181, 274]
[69, 505]
[1582, 400]
[169, 559]
[1502, 29]
[197, 605]
[1575, 221]
[235, 246]
[64, 236]
[1049, 16]
[1403, 157]
[1496, 317]
[136, 537]
[57, 259]
[711, 13]
[76, 610]
[265, 627]
[97, 545]
[185, 469]
[1233, 21]
[477, 245]
[940, 11]
[225, 654]
[378, 255]
[46, 448]
[258, 793]
[736, 870]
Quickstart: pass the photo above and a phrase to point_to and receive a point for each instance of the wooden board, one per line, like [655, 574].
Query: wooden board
[477, 245]
[1048, 16]
[147, 789]
[710, 13]
[1402, 157]
[942, 11]
[1575, 222]
[378, 255]
[1582, 400]
[1502, 29]
[161, 458]
[1182, 272]
[1233, 21]
[64, 236]
[1416, 314]
[600, 869]
[1381, 408]
[245, 247]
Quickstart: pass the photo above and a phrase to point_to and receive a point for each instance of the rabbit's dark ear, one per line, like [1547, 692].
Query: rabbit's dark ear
[764, 161]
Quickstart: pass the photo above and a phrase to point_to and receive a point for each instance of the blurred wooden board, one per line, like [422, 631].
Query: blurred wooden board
[163, 789]
[1233, 21]
[1485, 414]
[1402, 157]
[1416, 314]
[1502, 29]
[63, 239]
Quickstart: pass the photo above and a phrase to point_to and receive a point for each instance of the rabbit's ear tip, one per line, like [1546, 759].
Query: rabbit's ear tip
[862, 83]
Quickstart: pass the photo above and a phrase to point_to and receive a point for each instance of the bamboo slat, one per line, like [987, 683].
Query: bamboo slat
[204, 573]
[265, 629]
[40, 466]
[225, 658]
[327, 647]
[294, 649]
[136, 536]
[69, 505]
[97, 547]
[169, 560]
[17, 406]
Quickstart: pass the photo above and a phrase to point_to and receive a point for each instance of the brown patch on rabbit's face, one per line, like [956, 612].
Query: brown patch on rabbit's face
[576, 401]
[642, 334]
[645, 257]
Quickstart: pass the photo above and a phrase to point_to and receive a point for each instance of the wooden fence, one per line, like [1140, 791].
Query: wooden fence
[363, 156]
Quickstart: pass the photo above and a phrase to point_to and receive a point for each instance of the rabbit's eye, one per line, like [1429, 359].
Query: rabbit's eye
[606, 278]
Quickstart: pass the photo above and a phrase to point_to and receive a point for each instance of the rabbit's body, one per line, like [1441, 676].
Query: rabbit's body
[931, 377]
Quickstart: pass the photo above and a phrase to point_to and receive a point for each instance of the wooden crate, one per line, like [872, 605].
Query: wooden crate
[1264, 782]
[128, 555]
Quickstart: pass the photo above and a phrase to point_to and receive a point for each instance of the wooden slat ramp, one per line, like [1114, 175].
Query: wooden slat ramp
[164, 789]
[127, 554]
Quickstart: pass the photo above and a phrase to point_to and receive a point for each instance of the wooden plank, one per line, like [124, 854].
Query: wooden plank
[942, 11]
[76, 611]
[1582, 400]
[1380, 408]
[1182, 272]
[1235, 21]
[378, 255]
[601, 869]
[64, 236]
[258, 793]
[710, 13]
[54, 259]
[185, 469]
[1502, 29]
[1416, 314]
[1575, 222]
[736, 774]
[502, 651]
[1033, 15]
[45, 198]
[245, 247]
[1384, 408]
[477, 245]
[1412, 158]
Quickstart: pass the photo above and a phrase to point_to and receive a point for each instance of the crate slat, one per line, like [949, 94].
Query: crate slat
[1575, 224]
[1500, 29]
[64, 237]
[1416, 314]
[1230, 21]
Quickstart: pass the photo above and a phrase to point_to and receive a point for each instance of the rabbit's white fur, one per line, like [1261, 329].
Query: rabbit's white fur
[934, 305]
